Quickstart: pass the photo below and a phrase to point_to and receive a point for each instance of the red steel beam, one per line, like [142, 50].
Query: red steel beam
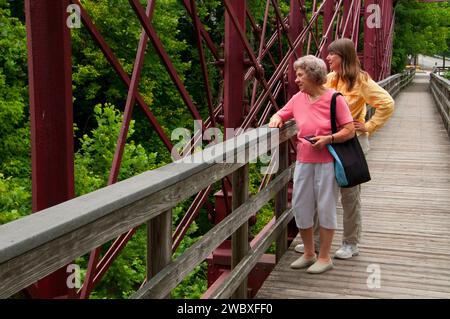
[280, 70]
[295, 28]
[157, 44]
[296, 25]
[369, 40]
[260, 35]
[387, 45]
[114, 62]
[256, 62]
[356, 22]
[327, 33]
[198, 29]
[270, 43]
[346, 25]
[234, 67]
[131, 98]
[50, 91]
[204, 33]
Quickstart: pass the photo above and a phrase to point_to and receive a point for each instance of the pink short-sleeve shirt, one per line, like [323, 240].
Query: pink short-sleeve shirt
[314, 119]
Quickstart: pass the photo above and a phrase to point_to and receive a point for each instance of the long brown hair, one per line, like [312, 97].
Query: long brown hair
[351, 67]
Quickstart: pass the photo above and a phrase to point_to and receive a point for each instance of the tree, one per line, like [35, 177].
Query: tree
[419, 28]
[95, 81]
[15, 163]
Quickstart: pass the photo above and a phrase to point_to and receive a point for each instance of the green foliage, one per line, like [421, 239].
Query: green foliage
[127, 272]
[15, 163]
[95, 81]
[194, 284]
[92, 164]
[447, 75]
[94, 159]
[419, 28]
[14, 127]
[266, 213]
[15, 198]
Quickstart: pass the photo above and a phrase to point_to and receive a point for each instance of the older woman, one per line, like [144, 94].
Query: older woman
[314, 180]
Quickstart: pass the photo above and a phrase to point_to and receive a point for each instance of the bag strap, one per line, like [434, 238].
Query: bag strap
[333, 112]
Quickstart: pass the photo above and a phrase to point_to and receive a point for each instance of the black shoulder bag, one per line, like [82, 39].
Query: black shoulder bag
[350, 164]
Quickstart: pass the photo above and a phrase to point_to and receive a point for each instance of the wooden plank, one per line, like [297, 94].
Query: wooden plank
[173, 274]
[281, 202]
[239, 239]
[159, 245]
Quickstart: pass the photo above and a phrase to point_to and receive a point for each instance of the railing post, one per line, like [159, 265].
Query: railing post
[239, 239]
[281, 200]
[440, 90]
[159, 243]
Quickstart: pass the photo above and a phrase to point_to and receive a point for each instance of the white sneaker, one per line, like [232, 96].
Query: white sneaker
[300, 248]
[347, 251]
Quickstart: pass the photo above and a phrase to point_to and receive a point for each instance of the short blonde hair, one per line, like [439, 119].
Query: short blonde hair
[314, 68]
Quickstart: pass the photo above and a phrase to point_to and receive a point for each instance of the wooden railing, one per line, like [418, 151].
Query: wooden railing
[440, 89]
[440, 69]
[37, 245]
[393, 84]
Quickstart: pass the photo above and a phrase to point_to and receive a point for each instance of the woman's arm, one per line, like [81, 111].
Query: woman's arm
[345, 133]
[381, 100]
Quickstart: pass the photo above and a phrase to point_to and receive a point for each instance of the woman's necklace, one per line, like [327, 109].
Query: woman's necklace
[313, 98]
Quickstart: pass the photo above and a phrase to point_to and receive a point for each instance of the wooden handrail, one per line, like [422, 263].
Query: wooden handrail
[36, 245]
[440, 89]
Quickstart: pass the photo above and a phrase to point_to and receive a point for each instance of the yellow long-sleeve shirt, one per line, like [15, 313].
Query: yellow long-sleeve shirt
[365, 91]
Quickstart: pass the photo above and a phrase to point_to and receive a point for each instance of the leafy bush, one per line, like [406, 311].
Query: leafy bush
[15, 163]
[15, 198]
[94, 159]
[447, 75]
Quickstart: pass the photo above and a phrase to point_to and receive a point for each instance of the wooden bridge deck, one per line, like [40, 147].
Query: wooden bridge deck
[406, 215]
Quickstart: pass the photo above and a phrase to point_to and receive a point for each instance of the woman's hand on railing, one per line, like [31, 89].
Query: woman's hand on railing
[276, 121]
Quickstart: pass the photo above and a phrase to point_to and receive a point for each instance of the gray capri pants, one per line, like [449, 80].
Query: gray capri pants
[315, 187]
